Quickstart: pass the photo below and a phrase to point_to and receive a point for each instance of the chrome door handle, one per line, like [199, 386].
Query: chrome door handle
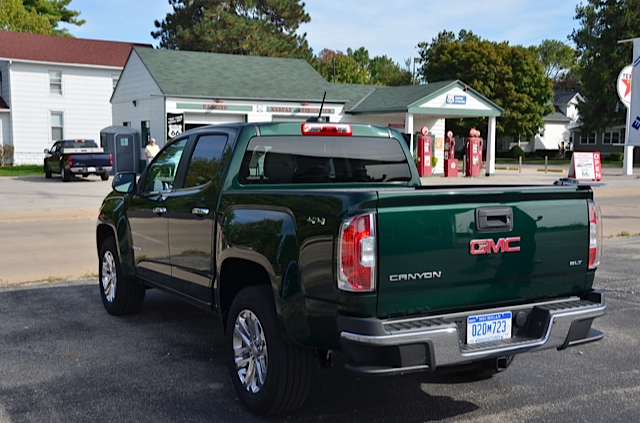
[200, 211]
[160, 210]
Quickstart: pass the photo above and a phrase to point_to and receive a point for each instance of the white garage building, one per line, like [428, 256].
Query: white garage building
[164, 92]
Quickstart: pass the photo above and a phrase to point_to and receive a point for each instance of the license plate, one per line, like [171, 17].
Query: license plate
[91, 169]
[488, 327]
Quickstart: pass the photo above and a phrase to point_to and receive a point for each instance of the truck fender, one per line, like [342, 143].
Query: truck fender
[120, 231]
[268, 239]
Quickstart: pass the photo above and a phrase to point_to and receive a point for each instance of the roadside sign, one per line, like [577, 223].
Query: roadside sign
[586, 166]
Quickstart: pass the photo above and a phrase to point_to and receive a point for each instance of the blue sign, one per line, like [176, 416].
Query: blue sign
[456, 99]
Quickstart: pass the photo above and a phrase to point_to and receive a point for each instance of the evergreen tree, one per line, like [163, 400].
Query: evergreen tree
[250, 27]
[37, 16]
[55, 11]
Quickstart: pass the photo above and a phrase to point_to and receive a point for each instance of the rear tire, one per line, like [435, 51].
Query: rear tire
[104, 176]
[64, 173]
[270, 374]
[120, 295]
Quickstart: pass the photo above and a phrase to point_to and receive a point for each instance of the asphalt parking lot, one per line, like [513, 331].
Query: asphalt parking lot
[64, 359]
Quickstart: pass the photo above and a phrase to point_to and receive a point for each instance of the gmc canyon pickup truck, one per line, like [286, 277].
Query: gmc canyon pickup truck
[318, 238]
[77, 157]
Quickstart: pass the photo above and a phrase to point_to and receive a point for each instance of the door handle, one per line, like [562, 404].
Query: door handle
[160, 210]
[200, 211]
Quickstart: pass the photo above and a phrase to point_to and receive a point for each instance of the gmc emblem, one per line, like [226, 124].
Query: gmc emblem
[489, 246]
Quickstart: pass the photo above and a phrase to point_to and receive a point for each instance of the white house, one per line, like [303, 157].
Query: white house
[54, 87]
[559, 126]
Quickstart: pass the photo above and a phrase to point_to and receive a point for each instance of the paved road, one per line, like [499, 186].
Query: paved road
[64, 359]
[47, 227]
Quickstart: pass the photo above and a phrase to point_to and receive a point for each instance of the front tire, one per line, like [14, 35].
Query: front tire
[47, 171]
[120, 295]
[270, 374]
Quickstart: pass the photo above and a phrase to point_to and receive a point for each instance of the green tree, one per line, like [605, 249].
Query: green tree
[14, 17]
[356, 67]
[250, 27]
[385, 71]
[335, 66]
[511, 76]
[602, 24]
[557, 58]
[56, 11]
[37, 16]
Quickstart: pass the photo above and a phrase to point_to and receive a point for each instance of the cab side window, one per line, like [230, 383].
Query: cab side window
[205, 160]
[162, 171]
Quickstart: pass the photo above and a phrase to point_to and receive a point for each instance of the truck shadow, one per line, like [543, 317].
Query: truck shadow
[167, 363]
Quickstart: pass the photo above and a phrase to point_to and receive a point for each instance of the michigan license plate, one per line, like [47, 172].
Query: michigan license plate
[488, 327]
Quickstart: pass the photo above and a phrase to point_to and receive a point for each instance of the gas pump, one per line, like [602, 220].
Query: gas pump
[473, 148]
[425, 143]
[450, 161]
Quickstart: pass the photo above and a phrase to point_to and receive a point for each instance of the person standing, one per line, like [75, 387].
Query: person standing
[151, 150]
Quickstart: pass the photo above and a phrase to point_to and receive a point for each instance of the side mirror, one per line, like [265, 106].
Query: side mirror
[46, 151]
[124, 182]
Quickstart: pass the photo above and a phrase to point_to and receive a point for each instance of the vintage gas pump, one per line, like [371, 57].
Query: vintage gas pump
[450, 161]
[473, 148]
[425, 143]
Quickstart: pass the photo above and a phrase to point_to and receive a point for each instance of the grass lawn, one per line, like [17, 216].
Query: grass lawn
[25, 170]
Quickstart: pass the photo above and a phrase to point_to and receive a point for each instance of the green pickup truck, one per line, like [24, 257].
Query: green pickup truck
[314, 238]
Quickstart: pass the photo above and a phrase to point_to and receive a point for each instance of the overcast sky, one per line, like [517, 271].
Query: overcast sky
[384, 27]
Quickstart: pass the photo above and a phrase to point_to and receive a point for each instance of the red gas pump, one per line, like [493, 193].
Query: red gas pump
[473, 148]
[424, 152]
[450, 161]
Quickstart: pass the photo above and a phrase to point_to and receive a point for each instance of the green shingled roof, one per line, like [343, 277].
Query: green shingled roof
[188, 73]
[197, 74]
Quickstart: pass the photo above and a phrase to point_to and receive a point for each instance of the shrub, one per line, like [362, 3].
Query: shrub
[517, 151]
[616, 157]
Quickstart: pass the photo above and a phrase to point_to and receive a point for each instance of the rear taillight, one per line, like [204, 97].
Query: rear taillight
[70, 160]
[110, 159]
[595, 235]
[357, 254]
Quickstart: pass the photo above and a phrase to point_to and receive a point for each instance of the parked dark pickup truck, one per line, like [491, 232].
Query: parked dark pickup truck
[79, 157]
[308, 239]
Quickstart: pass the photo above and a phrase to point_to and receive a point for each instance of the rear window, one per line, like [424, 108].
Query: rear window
[79, 144]
[318, 159]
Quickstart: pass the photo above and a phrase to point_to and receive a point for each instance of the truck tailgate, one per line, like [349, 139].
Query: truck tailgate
[456, 249]
[97, 159]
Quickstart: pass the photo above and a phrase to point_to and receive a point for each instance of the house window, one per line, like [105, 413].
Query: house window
[128, 124]
[612, 137]
[55, 82]
[589, 138]
[57, 126]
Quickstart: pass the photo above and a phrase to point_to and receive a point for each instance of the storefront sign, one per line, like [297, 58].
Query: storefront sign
[303, 110]
[217, 107]
[586, 165]
[175, 124]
